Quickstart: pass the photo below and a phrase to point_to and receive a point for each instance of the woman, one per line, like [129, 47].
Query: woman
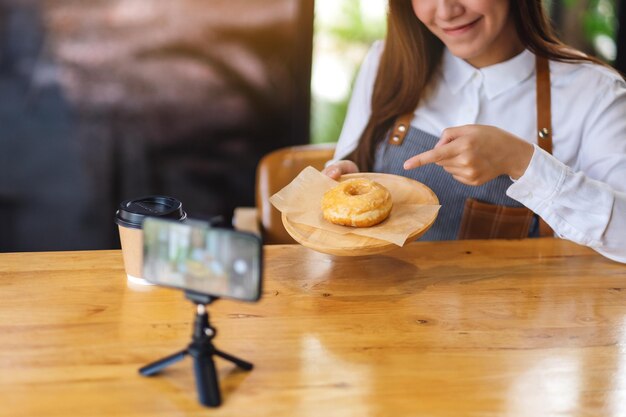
[465, 71]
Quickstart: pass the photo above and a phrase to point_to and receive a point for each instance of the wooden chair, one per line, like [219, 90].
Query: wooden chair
[275, 170]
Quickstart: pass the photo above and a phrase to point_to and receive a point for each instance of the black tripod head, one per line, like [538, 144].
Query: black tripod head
[199, 298]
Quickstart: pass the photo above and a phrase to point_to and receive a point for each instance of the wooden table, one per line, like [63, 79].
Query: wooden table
[469, 328]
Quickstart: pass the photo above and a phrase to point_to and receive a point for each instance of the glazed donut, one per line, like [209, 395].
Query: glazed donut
[356, 202]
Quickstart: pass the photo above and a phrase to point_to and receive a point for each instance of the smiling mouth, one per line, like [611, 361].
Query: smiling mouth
[458, 30]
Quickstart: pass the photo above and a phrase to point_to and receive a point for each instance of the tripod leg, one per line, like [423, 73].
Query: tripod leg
[239, 362]
[206, 381]
[157, 366]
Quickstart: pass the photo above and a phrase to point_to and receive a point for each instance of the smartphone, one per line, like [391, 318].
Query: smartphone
[194, 256]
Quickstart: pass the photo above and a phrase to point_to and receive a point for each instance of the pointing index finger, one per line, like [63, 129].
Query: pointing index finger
[428, 157]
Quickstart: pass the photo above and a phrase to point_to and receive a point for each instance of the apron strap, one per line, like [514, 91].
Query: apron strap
[400, 128]
[544, 120]
[544, 115]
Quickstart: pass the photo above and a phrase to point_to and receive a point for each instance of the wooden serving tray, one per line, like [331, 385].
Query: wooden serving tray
[401, 188]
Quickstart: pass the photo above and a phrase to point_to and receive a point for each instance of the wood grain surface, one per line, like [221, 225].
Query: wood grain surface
[468, 328]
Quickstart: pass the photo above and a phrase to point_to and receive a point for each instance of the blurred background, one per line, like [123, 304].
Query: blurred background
[107, 100]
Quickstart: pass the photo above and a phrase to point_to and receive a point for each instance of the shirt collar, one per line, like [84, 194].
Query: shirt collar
[496, 78]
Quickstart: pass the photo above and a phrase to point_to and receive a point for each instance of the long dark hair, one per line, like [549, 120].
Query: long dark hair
[412, 54]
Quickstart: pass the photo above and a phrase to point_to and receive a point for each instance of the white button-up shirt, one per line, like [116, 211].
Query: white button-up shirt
[579, 190]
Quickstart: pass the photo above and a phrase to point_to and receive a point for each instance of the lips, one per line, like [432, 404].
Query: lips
[458, 30]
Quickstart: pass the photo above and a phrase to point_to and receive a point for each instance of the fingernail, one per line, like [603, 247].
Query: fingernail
[332, 172]
[406, 166]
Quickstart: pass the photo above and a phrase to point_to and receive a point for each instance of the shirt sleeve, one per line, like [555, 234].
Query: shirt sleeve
[359, 107]
[586, 205]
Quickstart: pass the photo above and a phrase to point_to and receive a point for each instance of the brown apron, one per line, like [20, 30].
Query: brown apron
[482, 220]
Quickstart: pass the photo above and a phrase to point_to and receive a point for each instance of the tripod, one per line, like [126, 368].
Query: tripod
[201, 349]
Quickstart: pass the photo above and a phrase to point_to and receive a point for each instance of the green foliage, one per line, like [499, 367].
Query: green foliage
[351, 33]
[353, 27]
[599, 19]
[327, 119]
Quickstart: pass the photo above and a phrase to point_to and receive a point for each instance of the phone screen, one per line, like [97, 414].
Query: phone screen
[193, 256]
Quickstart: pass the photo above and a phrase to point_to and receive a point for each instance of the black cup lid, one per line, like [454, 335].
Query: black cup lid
[131, 213]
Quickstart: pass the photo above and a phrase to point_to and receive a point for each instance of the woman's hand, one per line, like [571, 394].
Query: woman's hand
[475, 154]
[340, 168]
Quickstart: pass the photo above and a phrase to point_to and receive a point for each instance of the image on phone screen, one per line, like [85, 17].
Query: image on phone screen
[193, 256]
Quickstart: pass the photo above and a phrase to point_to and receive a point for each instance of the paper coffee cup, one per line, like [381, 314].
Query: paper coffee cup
[129, 219]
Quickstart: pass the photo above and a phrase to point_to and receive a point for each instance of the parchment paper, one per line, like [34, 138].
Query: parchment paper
[301, 200]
